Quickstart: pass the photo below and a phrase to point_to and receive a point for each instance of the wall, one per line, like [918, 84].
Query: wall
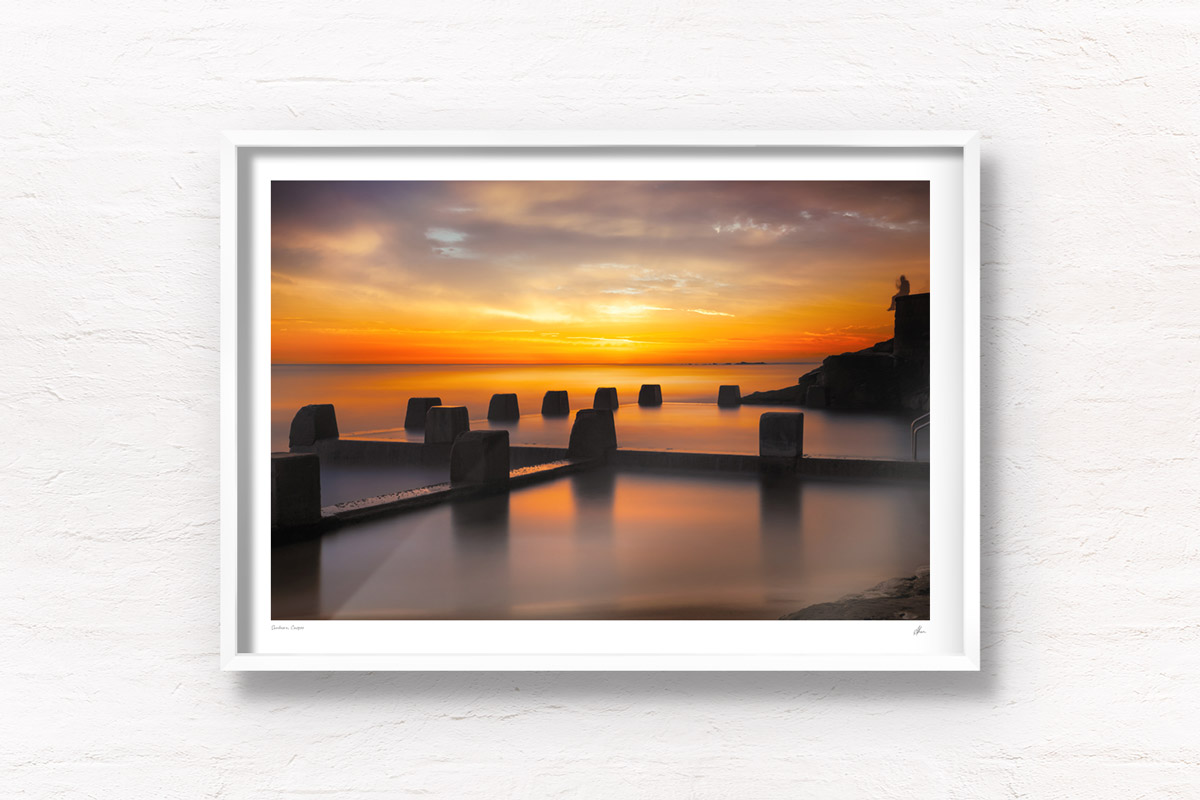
[110, 347]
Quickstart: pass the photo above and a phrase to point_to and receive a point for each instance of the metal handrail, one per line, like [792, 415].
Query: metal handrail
[918, 424]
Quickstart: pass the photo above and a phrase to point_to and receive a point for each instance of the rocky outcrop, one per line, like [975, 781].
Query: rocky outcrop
[898, 598]
[799, 394]
[787, 396]
[887, 376]
[865, 380]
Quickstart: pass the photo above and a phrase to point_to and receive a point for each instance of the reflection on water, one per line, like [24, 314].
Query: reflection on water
[480, 531]
[375, 397]
[600, 545]
[296, 581]
[344, 482]
[779, 518]
[706, 428]
[371, 402]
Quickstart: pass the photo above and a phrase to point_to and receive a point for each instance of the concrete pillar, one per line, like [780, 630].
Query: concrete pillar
[815, 397]
[594, 434]
[555, 404]
[443, 424]
[503, 408]
[479, 457]
[912, 327]
[781, 436]
[312, 423]
[295, 496]
[418, 407]
[650, 395]
[606, 399]
[729, 396]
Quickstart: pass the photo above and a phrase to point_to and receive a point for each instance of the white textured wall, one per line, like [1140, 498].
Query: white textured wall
[109, 121]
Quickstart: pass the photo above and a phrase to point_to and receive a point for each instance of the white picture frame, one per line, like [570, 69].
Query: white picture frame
[948, 641]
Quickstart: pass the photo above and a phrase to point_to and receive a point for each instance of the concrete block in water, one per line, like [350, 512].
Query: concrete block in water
[555, 404]
[504, 407]
[606, 399]
[480, 457]
[781, 435]
[729, 396]
[650, 395]
[295, 495]
[443, 424]
[418, 407]
[594, 434]
[312, 423]
[815, 397]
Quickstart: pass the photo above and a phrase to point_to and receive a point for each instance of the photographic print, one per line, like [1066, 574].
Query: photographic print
[600, 400]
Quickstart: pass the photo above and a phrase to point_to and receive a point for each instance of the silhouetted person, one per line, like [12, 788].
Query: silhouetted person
[901, 291]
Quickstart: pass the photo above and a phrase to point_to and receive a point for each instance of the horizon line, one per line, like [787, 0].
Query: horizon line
[536, 363]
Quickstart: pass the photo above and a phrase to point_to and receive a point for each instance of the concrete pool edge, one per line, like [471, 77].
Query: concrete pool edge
[410, 499]
[530, 464]
[374, 452]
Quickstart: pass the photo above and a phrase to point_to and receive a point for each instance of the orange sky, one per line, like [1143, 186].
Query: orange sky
[589, 272]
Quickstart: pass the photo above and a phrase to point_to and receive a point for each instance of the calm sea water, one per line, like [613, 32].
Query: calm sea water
[371, 402]
[603, 545]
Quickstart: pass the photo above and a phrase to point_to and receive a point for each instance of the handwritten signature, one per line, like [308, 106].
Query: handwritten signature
[919, 631]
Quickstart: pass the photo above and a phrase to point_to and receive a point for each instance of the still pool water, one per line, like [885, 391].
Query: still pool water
[605, 545]
[705, 428]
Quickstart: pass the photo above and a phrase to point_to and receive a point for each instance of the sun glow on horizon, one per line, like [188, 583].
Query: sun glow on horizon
[597, 272]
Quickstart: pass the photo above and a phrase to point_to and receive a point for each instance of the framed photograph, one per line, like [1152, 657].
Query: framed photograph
[600, 401]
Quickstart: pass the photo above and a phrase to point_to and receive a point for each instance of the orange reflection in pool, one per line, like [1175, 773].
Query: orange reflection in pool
[604, 545]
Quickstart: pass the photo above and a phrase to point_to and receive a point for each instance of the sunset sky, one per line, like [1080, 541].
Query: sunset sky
[590, 272]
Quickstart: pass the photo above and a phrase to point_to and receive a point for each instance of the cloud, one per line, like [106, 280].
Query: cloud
[456, 252]
[605, 340]
[532, 316]
[445, 235]
[628, 309]
[673, 259]
[749, 225]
